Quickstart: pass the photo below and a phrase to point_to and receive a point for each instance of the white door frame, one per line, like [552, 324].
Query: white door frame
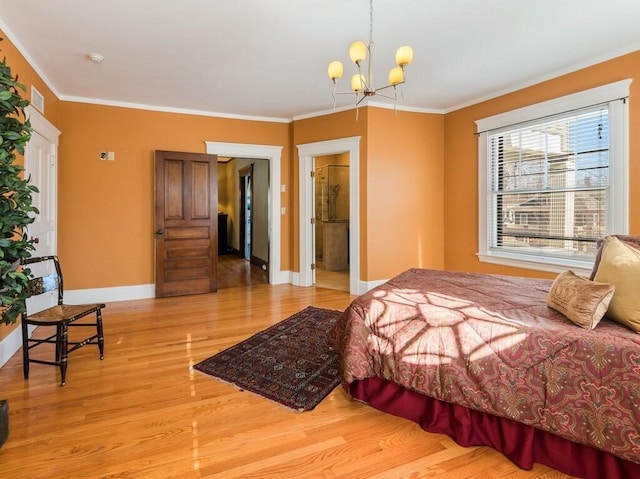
[10, 344]
[274, 155]
[306, 154]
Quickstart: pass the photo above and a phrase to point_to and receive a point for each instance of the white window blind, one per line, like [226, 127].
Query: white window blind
[553, 178]
[549, 182]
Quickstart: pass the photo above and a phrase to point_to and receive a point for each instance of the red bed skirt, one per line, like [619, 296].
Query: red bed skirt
[522, 444]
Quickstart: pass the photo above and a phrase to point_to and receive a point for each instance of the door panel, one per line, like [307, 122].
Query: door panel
[42, 171]
[201, 195]
[186, 223]
[41, 167]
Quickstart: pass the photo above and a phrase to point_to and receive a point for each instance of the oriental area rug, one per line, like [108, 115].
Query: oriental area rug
[292, 362]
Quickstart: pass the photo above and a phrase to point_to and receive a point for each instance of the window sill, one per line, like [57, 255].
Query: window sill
[581, 268]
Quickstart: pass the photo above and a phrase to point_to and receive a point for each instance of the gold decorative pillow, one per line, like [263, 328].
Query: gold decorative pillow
[582, 301]
[633, 241]
[620, 266]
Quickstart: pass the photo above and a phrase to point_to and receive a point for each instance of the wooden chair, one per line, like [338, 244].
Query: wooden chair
[61, 316]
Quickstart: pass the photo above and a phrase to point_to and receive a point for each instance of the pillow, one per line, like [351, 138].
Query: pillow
[620, 266]
[582, 301]
[633, 241]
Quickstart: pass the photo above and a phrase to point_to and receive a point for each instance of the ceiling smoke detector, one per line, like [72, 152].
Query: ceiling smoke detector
[95, 57]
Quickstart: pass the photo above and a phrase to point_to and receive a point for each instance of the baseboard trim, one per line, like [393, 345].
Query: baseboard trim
[146, 291]
[283, 277]
[366, 286]
[11, 343]
[105, 295]
[260, 263]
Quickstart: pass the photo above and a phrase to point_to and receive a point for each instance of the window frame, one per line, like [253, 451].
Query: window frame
[616, 94]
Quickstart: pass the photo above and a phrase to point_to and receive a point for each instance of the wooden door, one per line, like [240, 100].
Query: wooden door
[186, 223]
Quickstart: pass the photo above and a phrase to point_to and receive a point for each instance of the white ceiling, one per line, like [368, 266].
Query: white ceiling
[268, 58]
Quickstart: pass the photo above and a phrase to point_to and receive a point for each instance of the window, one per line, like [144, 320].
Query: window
[553, 180]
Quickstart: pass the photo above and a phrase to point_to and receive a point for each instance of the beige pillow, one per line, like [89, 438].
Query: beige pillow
[620, 266]
[584, 302]
[633, 241]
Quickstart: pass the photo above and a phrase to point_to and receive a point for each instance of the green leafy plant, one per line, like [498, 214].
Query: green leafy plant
[16, 206]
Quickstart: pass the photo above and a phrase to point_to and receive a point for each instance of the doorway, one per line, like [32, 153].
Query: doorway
[273, 155]
[331, 221]
[307, 154]
[243, 201]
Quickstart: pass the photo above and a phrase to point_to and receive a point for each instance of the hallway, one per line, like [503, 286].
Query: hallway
[234, 272]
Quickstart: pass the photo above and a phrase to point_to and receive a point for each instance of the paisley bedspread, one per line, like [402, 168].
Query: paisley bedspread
[490, 343]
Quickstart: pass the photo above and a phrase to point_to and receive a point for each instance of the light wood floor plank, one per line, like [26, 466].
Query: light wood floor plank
[144, 413]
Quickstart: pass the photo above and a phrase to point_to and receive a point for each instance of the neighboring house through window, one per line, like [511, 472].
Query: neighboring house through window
[553, 179]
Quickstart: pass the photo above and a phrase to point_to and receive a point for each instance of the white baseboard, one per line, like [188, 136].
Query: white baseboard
[366, 286]
[10, 344]
[283, 277]
[294, 278]
[105, 295]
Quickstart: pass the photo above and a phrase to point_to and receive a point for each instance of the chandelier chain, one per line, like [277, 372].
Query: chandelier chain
[371, 22]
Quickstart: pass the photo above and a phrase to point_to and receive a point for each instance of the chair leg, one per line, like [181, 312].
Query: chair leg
[25, 349]
[100, 333]
[58, 342]
[62, 345]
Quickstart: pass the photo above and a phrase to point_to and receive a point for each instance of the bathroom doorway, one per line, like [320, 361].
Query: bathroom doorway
[331, 221]
[307, 152]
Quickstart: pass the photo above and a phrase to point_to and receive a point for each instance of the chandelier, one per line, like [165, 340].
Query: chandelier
[361, 85]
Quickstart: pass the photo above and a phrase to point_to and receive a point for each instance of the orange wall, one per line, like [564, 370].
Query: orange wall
[401, 188]
[106, 208]
[405, 193]
[461, 153]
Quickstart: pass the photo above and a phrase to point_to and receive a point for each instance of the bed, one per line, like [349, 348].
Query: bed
[483, 359]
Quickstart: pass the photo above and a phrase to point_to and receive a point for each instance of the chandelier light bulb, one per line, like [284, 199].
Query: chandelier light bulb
[358, 52]
[335, 70]
[396, 76]
[357, 82]
[404, 56]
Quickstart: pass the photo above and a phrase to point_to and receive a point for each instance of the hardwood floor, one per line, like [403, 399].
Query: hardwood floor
[332, 279]
[234, 271]
[143, 413]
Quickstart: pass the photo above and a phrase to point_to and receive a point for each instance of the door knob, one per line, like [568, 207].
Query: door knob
[159, 231]
[36, 240]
